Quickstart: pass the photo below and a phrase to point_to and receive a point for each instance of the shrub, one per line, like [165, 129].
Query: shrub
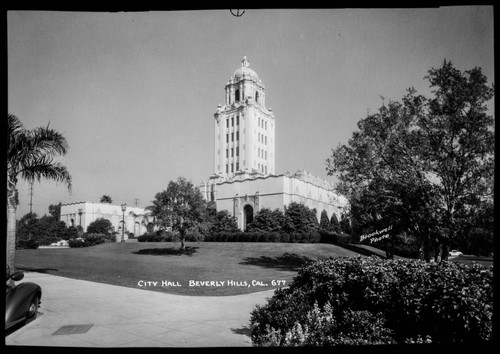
[343, 239]
[369, 300]
[27, 244]
[94, 239]
[91, 240]
[76, 243]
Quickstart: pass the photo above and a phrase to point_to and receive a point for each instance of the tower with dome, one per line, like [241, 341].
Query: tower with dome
[244, 179]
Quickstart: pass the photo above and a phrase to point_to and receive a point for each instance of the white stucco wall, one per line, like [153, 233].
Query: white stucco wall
[276, 192]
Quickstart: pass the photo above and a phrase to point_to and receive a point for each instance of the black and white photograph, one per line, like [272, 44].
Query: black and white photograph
[260, 177]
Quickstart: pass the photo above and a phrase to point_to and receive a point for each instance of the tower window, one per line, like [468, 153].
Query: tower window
[232, 152]
[227, 138]
[237, 151]
[237, 95]
[237, 135]
[232, 167]
[232, 136]
[232, 121]
[227, 153]
[227, 123]
[227, 168]
[237, 120]
[237, 166]
[256, 97]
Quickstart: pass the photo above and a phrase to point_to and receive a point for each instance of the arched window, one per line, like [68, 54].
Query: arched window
[237, 96]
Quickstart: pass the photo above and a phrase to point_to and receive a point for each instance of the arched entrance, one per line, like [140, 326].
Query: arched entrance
[247, 216]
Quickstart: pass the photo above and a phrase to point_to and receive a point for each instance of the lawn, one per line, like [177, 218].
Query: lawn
[207, 269]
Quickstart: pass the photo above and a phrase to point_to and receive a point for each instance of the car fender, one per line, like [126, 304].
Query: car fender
[18, 300]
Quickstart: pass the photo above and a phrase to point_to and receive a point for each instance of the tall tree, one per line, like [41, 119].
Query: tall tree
[425, 164]
[30, 156]
[181, 207]
[302, 218]
[334, 223]
[265, 220]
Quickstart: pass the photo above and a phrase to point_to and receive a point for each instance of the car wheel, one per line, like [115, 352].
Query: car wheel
[32, 310]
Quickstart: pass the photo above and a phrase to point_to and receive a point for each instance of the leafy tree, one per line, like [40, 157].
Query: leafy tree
[100, 226]
[302, 218]
[423, 164]
[30, 156]
[324, 221]
[224, 222]
[26, 230]
[181, 207]
[43, 231]
[106, 199]
[55, 210]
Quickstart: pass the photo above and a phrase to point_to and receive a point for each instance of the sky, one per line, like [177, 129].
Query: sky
[134, 93]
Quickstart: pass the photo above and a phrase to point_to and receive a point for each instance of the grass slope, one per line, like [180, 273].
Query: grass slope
[243, 267]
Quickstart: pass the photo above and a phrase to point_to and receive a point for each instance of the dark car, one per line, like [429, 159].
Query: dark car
[21, 300]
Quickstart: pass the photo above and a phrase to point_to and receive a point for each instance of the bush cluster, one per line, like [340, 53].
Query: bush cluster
[368, 300]
[159, 236]
[88, 240]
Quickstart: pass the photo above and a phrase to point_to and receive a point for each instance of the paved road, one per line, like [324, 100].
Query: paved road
[114, 316]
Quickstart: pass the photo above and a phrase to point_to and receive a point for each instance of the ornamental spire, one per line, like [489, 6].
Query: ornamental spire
[245, 63]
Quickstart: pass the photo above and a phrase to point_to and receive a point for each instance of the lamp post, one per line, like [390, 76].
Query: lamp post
[124, 207]
[80, 211]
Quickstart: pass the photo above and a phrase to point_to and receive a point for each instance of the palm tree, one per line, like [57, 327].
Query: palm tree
[30, 156]
[106, 199]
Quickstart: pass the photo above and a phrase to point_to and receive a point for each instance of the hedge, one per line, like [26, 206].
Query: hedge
[88, 240]
[369, 300]
[264, 236]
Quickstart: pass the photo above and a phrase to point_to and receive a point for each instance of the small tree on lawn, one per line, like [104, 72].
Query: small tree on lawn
[181, 207]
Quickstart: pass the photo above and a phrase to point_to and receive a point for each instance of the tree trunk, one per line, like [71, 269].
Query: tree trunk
[183, 245]
[11, 234]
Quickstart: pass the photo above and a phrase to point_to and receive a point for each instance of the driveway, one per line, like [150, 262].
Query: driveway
[77, 313]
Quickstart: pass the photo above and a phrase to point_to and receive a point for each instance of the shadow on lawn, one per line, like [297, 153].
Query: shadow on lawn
[168, 251]
[287, 261]
[246, 331]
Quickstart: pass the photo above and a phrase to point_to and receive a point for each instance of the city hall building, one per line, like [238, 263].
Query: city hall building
[245, 180]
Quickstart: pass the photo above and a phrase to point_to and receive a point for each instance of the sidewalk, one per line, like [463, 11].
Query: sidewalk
[101, 315]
